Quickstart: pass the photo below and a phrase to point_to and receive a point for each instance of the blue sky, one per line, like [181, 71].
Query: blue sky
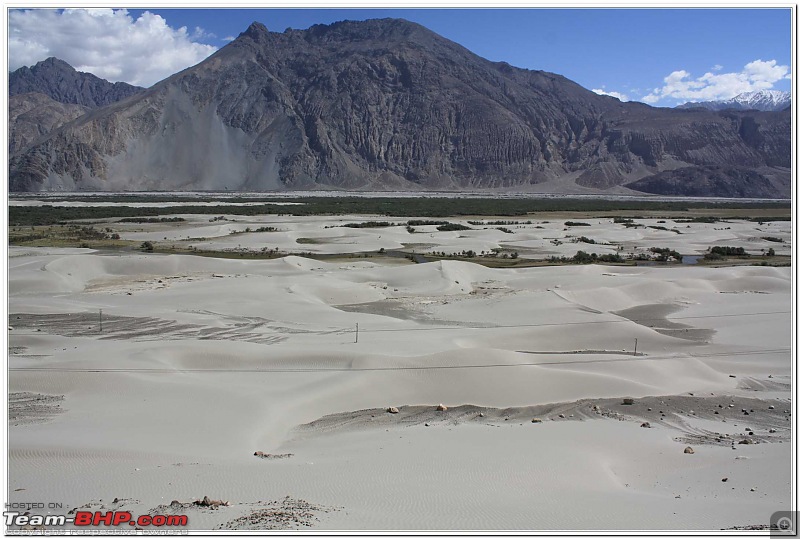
[704, 53]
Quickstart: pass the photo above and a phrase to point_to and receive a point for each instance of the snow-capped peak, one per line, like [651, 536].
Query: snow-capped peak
[766, 100]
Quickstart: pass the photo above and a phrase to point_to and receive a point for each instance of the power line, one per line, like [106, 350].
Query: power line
[396, 368]
[550, 324]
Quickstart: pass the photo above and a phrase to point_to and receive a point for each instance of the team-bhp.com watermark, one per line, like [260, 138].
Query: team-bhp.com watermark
[24, 520]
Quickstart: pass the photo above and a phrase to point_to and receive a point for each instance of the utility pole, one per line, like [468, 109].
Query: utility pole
[635, 346]
[356, 332]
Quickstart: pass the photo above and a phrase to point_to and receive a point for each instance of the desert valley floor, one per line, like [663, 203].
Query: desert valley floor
[144, 381]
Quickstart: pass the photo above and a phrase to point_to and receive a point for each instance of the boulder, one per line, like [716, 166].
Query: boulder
[536, 420]
[441, 408]
[627, 401]
[689, 451]
[392, 410]
[645, 425]
[207, 502]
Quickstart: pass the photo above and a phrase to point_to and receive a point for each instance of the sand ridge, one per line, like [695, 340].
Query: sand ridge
[212, 360]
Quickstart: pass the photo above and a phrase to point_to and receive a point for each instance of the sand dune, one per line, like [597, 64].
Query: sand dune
[200, 362]
[542, 237]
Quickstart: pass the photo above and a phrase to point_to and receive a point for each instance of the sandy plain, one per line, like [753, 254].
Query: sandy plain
[201, 362]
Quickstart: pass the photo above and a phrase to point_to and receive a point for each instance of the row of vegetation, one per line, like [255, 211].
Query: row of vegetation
[451, 227]
[259, 229]
[497, 256]
[717, 253]
[369, 224]
[66, 236]
[582, 257]
[469, 253]
[426, 222]
[441, 226]
[152, 220]
[665, 229]
[391, 207]
[495, 223]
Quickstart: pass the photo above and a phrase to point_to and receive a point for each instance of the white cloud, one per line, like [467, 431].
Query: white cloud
[716, 67]
[106, 42]
[681, 86]
[200, 33]
[620, 96]
[228, 38]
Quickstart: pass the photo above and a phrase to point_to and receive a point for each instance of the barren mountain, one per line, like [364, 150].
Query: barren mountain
[386, 104]
[713, 181]
[61, 82]
[33, 115]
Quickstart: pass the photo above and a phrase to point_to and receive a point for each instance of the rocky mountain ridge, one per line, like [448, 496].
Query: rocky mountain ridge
[33, 115]
[386, 104]
[61, 82]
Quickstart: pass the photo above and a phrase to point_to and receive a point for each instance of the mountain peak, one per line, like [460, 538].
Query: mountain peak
[774, 93]
[61, 82]
[53, 63]
[764, 100]
[386, 29]
[765, 96]
[256, 29]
